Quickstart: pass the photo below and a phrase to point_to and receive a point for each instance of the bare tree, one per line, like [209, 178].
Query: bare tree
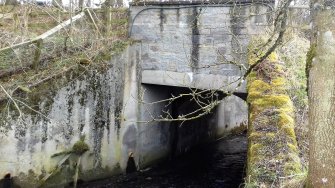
[322, 95]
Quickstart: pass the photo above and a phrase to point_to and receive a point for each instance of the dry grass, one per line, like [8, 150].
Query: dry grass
[84, 44]
[293, 53]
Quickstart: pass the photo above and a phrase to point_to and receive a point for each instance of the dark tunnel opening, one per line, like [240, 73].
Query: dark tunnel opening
[190, 152]
[204, 122]
[202, 127]
[197, 159]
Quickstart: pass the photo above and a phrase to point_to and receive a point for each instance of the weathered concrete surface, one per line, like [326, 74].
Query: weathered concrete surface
[196, 39]
[90, 104]
[107, 107]
[191, 80]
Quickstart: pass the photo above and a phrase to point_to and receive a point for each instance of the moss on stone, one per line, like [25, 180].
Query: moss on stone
[285, 120]
[255, 135]
[272, 150]
[273, 57]
[80, 147]
[293, 167]
[279, 83]
[292, 147]
[267, 101]
[257, 88]
[270, 135]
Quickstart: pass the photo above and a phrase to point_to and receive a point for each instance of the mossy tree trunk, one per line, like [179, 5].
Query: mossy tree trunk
[322, 96]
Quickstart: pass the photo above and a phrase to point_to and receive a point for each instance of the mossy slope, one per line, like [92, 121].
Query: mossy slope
[273, 159]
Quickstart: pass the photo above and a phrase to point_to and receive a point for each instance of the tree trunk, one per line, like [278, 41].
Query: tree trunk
[322, 97]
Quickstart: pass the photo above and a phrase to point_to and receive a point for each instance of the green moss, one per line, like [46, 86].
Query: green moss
[272, 101]
[254, 151]
[273, 57]
[253, 58]
[272, 141]
[279, 83]
[270, 135]
[279, 68]
[293, 147]
[80, 147]
[292, 168]
[285, 120]
[256, 88]
[255, 135]
[289, 131]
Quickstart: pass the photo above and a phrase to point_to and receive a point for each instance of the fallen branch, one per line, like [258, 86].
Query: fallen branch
[46, 34]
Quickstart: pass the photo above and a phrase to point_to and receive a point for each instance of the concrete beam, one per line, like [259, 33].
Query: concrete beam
[192, 80]
[198, 2]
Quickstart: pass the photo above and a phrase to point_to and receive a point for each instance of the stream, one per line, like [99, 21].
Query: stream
[220, 164]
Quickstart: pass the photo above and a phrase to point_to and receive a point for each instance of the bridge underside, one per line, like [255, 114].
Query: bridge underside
[176, 137]
[220, 83]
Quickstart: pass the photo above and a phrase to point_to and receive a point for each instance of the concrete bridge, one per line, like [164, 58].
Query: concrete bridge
[196, 45]
[199, 46]
[186, 47]
[183, 47]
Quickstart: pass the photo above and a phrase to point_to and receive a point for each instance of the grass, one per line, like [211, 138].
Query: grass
[293, 53]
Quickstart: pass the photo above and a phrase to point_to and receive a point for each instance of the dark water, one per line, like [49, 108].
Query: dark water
[216, 165]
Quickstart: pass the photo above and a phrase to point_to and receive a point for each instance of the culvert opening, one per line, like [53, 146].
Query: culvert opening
[194, 152]
[194, 155]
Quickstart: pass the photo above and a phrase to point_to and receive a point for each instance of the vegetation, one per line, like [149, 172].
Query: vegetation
[293, 54]
[67, 50]
[273, 156]
[80, 147]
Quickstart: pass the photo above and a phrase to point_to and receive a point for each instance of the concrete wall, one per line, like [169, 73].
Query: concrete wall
[196, 39]
[96, 103]
[106, 106]
[155, 137]
[232, 113]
